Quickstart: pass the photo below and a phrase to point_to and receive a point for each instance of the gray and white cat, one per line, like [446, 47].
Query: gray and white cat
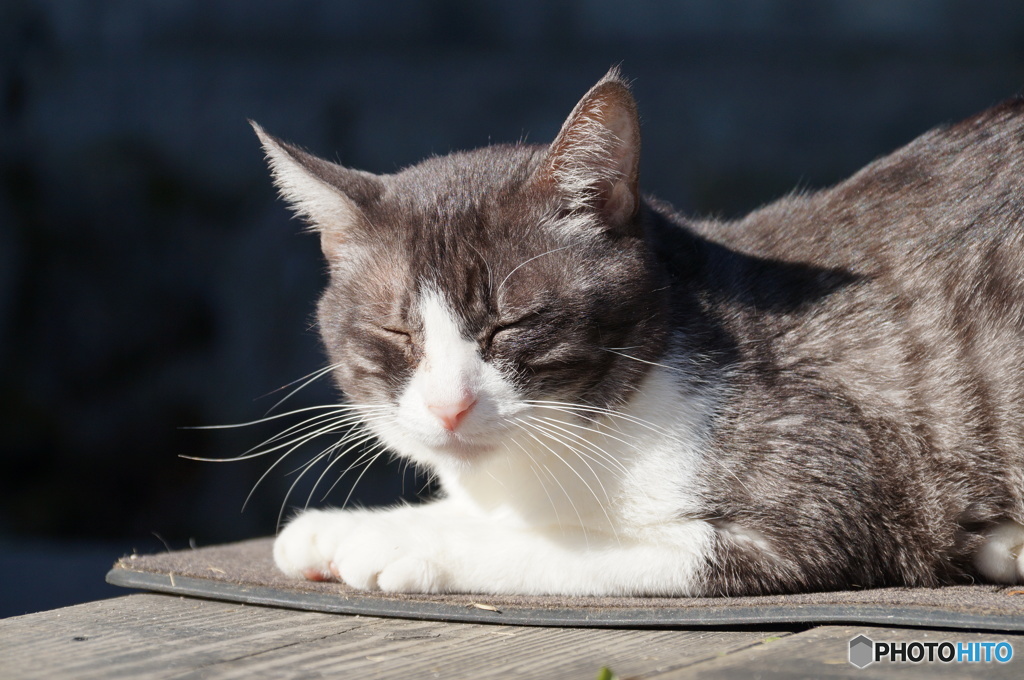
[619, 400]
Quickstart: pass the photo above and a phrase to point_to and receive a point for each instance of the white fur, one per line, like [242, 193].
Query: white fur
[451, 366]
[1001, 557]
[527, 508]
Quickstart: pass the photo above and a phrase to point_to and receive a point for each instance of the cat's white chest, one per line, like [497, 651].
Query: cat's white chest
[616, 473]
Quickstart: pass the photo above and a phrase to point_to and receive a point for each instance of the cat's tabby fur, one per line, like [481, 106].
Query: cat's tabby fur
[618, 399]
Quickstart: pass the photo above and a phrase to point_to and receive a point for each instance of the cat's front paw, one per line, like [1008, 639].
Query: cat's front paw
[307, 546]
[366, 550]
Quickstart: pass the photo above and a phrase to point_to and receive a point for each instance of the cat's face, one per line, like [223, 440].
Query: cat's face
[467, 288]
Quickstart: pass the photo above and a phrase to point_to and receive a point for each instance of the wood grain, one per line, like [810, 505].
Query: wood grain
[823, 653]
[159, 636]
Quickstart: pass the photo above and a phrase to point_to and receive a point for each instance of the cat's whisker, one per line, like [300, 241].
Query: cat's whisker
[602, 455]
[645, 361]
[380, 450]
[277, 416]
[533, 467]
[554, 434]
[584, 458]
[431, 478]
[344, 418]
[311, 374]
[361, 441]
[257, 451]
[732, 473]
[633, 445]
[554, 423]
[526, 262]
[609, 426]
[364, 456]
[570, 408]
[710, 458]
[266, 473]
[526, 430]
[312, 377]
[487, 266]
[296, 444]
[611, 413]
[309, 424]
[403, 469]
[346, 431]
[323, 427]
[326, 453]
[306, 468]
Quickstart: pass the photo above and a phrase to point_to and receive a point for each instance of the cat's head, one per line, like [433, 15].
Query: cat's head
[466, 287]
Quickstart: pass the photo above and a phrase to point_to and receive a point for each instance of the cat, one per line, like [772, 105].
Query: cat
[619, 400]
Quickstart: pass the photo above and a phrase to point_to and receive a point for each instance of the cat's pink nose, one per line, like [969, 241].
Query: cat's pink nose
[451, 414]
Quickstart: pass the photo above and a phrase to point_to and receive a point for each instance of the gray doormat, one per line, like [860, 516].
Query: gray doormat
[244, 572]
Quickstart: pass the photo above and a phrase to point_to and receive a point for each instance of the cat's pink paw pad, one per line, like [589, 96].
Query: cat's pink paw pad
[316, 575]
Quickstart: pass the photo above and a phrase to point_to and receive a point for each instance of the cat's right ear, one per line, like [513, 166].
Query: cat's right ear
[331, 198]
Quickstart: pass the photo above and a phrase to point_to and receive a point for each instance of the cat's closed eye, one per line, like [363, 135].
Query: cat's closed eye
[506, 333]
[501, 334]
[397, 333]
[399, 336]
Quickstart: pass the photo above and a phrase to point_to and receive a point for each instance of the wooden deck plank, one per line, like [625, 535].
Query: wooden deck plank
[159, 636]
[824, 653]
[396, 648]
[151, 636]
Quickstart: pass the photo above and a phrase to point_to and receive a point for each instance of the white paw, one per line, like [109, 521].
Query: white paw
[307, 546]
[383, 550]
[1001, 557]
[411, 574]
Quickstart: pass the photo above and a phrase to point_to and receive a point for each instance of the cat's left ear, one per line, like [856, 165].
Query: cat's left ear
[594, 162]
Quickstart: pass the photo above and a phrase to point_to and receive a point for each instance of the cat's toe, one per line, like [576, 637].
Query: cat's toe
[307, 545]
[383, 555]
[358, 571]
[406, 574]
[411, 574]
[364, 555]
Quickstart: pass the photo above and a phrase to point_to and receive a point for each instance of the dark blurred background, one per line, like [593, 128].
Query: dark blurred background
[149, 279]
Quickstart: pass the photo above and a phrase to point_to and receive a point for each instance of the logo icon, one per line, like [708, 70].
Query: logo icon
[862, 651]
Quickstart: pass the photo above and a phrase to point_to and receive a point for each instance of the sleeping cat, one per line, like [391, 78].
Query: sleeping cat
[619, 400]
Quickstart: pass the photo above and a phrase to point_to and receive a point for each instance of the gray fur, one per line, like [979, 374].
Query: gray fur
[868, 339]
